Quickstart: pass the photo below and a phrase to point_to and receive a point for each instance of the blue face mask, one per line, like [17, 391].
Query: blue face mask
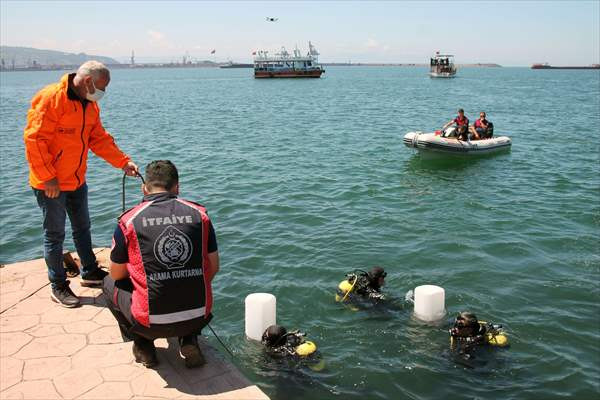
[97, 95]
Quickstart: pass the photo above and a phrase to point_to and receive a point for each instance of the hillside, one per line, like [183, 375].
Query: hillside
[20, 57]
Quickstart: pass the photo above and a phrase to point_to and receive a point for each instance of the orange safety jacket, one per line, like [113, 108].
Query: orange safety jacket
[60, 130]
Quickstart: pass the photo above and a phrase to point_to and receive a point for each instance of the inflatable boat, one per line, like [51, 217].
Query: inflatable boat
[445, 142]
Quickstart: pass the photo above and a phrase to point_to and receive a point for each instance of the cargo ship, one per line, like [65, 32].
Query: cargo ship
[548, 66]
[236, 65]
[286, 65]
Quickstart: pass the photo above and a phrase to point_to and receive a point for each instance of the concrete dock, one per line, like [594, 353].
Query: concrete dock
[51, 352]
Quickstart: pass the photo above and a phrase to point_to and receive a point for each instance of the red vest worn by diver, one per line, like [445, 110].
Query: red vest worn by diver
[167, 241]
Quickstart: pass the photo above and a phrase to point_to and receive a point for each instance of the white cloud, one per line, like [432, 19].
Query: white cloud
[157, 38]
[372, 43]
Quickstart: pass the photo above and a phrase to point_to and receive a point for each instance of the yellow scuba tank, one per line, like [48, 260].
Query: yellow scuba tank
[306, 348]
[498, 339]
[345, 287]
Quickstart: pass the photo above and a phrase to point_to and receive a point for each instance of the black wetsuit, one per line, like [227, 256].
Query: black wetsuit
[365, 288]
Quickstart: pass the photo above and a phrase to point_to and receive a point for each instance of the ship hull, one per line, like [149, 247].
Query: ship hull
[289, 74]
[574, 67]
[442, 74]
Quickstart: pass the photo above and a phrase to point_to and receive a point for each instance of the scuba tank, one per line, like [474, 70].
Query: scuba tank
[468, 330]
[362, 283]
[279, 342]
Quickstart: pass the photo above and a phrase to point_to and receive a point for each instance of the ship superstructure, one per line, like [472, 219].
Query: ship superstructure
[442, 66]
[288, 65]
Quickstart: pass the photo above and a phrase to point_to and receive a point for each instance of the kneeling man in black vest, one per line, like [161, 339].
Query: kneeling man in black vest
[163, 259]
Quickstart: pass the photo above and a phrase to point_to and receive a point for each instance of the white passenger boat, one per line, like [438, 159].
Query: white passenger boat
[446, 143]
[442, 66]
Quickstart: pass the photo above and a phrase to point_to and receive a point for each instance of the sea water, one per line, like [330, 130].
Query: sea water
[306, 180]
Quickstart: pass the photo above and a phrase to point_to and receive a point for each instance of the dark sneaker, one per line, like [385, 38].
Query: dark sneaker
[93, 278]
[190, 350]
[145, 352]
[64, 296]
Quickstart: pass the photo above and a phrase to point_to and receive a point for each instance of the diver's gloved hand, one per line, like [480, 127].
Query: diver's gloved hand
[377, 296]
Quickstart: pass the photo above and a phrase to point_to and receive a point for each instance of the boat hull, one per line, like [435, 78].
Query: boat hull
[442, 74]
[565, 67]
[289, 74]
[430, 143]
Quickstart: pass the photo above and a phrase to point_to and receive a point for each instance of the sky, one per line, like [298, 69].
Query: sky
[510, 33]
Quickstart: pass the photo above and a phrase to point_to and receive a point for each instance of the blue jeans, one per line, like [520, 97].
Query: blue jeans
[74, 203]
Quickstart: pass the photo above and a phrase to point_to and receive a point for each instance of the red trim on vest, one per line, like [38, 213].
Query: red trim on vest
[135, 267]
[205, 261]
[137, 274]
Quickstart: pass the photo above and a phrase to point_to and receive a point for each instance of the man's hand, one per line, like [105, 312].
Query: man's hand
[131, 169]
[51, 188]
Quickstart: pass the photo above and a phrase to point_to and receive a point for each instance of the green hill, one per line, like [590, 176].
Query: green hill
[28, 57]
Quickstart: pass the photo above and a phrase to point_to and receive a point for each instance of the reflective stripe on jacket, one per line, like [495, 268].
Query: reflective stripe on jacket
[59, 132]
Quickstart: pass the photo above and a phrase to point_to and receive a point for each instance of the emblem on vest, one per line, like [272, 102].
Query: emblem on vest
[173, 248]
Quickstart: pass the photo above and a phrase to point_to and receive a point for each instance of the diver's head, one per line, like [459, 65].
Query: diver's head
[377, 277]
[161, 176]
[272, 335]
[465, 324]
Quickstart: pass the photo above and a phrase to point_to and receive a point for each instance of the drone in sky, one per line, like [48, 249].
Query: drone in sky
[271, 19]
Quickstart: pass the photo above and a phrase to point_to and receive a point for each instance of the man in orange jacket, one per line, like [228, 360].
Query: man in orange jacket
[63, 123]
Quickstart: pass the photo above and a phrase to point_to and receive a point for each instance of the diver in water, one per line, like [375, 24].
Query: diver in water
[468, 332]
[281, 343]
[367, 285]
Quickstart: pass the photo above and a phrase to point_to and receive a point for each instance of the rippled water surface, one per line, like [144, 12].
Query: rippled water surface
[308, 179]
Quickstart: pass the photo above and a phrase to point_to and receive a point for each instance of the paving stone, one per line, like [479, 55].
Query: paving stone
[103, 355]
[87, 296]
[16, 323]
[12, 285]
[106, 335]
[11, 372]
[247, 393]
[31, 390]
[62, 315]
[124, 372]
[35, 281]
[153, 384]
[65, 344]
[45, 368]
[105, 318]
[32, 306]
[81, 327]
[74, 383]
[11, 343]
[43, 330]
[9, 300]
[109, 390]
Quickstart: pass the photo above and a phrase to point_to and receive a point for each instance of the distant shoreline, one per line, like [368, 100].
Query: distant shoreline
[217, 65]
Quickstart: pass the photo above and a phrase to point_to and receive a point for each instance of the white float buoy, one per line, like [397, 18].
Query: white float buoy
[261, 311]
[429, 302]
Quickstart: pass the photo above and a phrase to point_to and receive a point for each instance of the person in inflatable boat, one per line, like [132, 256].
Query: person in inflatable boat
[482, 128]
[366, 285]
[468, 332]
[280, 343]
[462, 125]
